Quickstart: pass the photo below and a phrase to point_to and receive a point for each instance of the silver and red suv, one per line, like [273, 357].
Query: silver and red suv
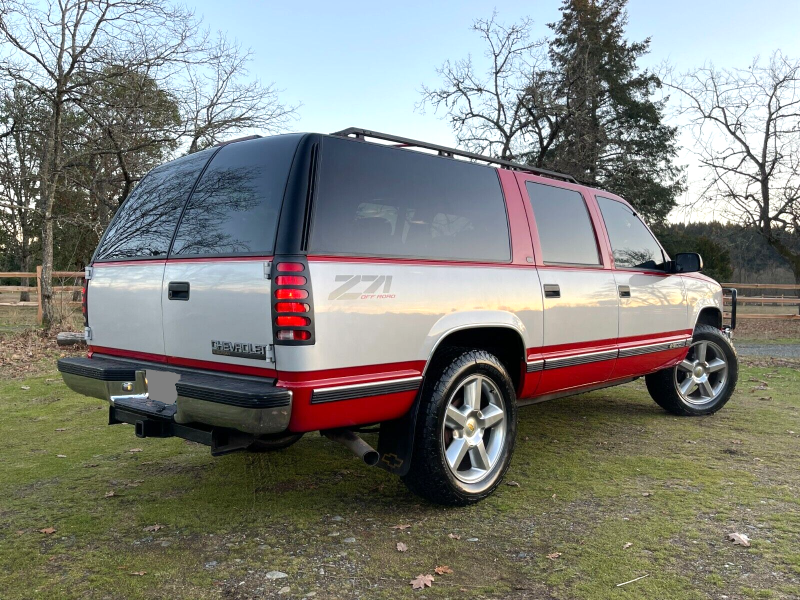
[255, 291]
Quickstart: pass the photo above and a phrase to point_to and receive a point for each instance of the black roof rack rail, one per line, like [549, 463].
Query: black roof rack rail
[362, 134]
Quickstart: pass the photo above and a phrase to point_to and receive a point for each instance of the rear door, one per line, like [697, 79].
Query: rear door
[580, 295]
[653, 310]
[124, 294]
[216, 288]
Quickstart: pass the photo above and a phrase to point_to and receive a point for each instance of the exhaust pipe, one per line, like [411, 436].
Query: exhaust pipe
[355, 444]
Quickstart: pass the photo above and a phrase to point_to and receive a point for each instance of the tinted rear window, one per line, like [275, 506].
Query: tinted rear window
[379, 201]
[565, 229]
[145, 223]
[235, 207]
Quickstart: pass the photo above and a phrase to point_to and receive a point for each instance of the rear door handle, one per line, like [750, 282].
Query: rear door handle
[624, 291]
[178, 290]
[552, 290]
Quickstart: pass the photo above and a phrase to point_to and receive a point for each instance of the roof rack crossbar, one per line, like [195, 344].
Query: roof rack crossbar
[362, 134]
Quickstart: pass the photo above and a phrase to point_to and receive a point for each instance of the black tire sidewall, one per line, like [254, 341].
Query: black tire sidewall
[487, 365]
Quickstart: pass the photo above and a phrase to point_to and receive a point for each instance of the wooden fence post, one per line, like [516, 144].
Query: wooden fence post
[39, 293]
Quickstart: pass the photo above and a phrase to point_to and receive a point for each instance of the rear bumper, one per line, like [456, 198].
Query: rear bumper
[250, 405]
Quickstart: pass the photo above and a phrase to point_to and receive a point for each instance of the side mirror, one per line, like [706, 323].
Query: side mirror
[686, 262]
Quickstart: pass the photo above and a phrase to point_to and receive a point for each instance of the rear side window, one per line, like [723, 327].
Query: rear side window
[145, 223]
[235, 207]
[565, 228]
[379, 201]
[633, 245]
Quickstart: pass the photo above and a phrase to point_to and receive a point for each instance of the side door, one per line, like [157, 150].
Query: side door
[653, 307]
[216, 294]
[124, 295]
[580, 294]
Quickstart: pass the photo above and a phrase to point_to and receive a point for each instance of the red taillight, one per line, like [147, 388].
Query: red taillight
[291, 294]
[290, 267]
[292, 321]
[291, 307]
[293, 335]
[290, 280]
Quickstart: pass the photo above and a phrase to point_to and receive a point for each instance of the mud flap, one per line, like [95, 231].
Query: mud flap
[396, 442]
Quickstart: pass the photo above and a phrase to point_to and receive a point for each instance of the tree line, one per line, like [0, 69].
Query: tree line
[94, 93]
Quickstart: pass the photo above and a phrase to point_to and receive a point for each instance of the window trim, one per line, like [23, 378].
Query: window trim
[418, 257]
[614, 266]
[598, 265]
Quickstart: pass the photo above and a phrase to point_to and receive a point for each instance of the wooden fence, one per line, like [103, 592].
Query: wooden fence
[78, 275]
[755, 294]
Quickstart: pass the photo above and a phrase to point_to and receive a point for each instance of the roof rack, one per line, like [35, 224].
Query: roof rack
[362, 134]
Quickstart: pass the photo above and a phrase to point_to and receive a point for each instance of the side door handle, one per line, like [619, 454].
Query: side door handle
[178, 290]
[552, 290]
[624, 291]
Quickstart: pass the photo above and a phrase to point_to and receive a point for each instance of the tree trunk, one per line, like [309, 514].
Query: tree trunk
[49, 178]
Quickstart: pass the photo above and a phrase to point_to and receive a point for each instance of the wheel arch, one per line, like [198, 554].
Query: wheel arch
[710, 315]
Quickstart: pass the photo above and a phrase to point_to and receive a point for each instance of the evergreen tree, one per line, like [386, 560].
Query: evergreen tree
[613, 136]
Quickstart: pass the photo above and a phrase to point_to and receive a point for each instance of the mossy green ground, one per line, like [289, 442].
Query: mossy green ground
[595, 472]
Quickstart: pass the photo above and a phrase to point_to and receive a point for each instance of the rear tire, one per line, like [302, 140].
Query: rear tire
[466, 429]
[274, 442]
[703, 382]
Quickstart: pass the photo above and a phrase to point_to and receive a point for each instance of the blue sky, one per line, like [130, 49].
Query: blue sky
[363, 63]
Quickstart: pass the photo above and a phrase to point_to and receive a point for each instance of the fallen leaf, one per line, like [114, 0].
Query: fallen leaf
[553, 496]
[512, 483]
[89, 466]
[421, 582]
[61, 456]
[454, 536]
[739, 539]
[48, 530]
[554, 555]
[736, 442]
[766, 398]
[401, 547]
[153, 527]
[401, 527]
[110, 494]
[21, 532]
[61, 429]
[627, 545]
[25, 387]
[135, 450]
[138, 573]
[647, 494]
[443, 570]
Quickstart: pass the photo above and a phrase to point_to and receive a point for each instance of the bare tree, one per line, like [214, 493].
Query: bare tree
[746, 125]
[219, 98]
[511, 108]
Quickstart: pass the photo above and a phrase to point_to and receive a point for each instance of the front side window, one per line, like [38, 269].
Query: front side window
[379, 201]
[235, 207]
[632, 244]
[565, 228]
[144, 225]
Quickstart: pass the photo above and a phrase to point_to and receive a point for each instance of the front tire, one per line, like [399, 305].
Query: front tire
[466, 430]
[703, 382]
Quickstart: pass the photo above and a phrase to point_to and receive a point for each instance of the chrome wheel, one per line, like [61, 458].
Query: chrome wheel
[700, 378]
[474, 429]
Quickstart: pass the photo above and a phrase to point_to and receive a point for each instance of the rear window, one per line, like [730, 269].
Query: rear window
[565, 228]
[144, 225]
[632, 244]
[374, 200]
[235, 207]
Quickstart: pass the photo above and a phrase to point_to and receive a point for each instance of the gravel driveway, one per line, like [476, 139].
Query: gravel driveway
[769, 350]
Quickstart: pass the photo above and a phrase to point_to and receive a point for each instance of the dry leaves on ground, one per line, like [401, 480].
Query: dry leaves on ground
[138, 573]
[401, 527]
[135, 450]
[627, 545]
[153, 528]
[554, 555]
[739, 539]
[421, 582]
[454, 536]
[512, 483]
[110, 494]
[48, 530]
[443, 570]
[401, 547]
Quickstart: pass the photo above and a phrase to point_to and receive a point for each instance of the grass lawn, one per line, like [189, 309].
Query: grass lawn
[613, 484]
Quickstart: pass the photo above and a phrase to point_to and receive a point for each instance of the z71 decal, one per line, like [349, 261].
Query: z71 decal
[370, 292]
